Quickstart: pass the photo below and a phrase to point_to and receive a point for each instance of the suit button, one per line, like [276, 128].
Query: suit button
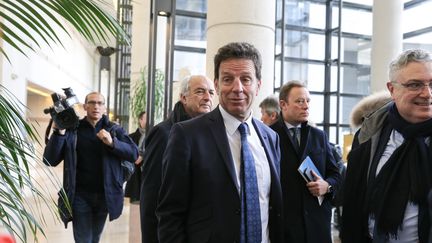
[237, 212]
[270, 208]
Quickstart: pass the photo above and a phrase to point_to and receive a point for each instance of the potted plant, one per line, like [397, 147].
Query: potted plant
[139, 98]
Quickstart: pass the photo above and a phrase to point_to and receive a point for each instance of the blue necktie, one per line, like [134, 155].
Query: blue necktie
[250, 231]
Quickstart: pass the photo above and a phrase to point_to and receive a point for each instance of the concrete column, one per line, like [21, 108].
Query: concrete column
[250, 21]
[139, 60]
[387, 39]
[140, 43]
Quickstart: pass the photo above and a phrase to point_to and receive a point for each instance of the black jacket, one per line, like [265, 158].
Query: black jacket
[132, 189]
[305, 221]
[155, 144]
[63, 148]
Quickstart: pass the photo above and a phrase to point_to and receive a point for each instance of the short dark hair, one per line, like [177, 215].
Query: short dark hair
[141, 114]
[92, 93]
[270, 105]
[238, 50]
[287, 87]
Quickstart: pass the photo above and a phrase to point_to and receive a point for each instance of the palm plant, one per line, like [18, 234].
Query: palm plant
[138, 102]
[26, 25]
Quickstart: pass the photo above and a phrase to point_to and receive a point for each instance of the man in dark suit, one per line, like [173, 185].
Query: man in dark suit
[306, 221]
[133, 185]
[196, 97]
[202, 197]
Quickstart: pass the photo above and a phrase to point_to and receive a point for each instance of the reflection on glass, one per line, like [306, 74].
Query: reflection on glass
[192, 5]
[355, 21]
[411, 17]
[188, 63]
[312, 74]
[190, 31]
[304, 45]
[316, 108]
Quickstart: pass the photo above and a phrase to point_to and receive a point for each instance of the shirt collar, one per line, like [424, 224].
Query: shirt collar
[288, 125]
[232, 123]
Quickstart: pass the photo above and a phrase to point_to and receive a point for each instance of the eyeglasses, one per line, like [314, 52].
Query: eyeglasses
[415, 86]
[93, 103]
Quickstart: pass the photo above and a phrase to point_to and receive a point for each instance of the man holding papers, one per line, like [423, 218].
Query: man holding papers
[305, 220]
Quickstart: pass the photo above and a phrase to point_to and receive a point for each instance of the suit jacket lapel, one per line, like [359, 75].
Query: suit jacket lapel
[218, 130]
[305, 129]
[290, 138]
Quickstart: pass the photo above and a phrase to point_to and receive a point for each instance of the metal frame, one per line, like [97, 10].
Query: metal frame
[123, 65]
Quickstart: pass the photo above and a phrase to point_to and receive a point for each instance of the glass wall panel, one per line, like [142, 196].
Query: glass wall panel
[353, 50]
[278, 45]
[316, 108]
[346, 106]
[192, 5]
[190, 32]
[279, 4]
[421, 41]
[341, 140]
[332, 135]
[355, 21]
[363, 2]
[306, 14]
[355, 80]
[187, 63]
[277, 80]
[304, 45]
[412, 16]
[333, 109]
[312, 74]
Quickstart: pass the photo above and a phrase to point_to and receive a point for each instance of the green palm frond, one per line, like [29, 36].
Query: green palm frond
[26, 25]
[29, 23]
[17, 139]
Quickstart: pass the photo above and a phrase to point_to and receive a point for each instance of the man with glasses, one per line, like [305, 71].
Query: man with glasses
[306, 219]
[389, 171]
[93, 178]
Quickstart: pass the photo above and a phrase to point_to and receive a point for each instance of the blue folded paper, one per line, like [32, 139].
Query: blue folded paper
[305, 169]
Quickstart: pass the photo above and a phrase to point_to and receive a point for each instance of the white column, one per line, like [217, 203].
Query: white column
[139, 60]
[140, 44]
[251, 21]
[387, 38]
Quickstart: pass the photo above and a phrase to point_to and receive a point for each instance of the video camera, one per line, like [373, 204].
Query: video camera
[62, 112]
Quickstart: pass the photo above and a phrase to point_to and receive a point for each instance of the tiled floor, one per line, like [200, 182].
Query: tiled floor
[117, 231]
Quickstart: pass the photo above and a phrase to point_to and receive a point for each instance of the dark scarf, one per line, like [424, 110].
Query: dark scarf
[178, 113]
[405, 176]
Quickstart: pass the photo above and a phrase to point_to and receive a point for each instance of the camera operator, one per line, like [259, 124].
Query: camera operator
[92, 177]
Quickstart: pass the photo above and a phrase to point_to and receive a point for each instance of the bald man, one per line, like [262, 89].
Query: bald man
[196, 98]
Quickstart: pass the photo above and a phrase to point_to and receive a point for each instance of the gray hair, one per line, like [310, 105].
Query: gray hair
[406, 57]
[270, 105]
[184, 86]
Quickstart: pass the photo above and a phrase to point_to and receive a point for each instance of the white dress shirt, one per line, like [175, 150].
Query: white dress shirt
[262, 167]
[409, 231]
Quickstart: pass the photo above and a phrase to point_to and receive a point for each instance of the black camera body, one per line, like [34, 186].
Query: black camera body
[62, 112]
